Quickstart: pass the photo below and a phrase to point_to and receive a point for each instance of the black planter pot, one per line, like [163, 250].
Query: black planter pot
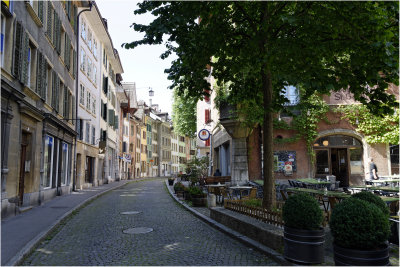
[346, 256]
[170, 182]
[199, 201]
[304, 246]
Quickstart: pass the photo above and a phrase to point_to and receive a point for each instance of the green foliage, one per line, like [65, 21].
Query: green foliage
[195, 191]
[374, 199]
[197, 167]
[358, 224]
[179, 187]
[312, 110]
[375, 128]
[262, 46]
[253, 202]
[302, 211]
[184, 114]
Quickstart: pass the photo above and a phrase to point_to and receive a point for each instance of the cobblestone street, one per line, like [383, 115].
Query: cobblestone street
[95, 235]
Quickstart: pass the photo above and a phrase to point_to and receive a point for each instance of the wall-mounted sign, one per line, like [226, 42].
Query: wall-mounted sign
[204, 134]
[284, 161]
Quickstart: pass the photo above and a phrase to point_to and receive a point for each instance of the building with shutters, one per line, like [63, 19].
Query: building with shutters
[165, 146]
[92, 34]
[37, 101]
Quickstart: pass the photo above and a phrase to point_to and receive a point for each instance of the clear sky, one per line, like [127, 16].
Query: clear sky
[143, 64]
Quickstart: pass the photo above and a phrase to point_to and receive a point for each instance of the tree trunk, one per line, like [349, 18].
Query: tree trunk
[254, 154]
[269, 197]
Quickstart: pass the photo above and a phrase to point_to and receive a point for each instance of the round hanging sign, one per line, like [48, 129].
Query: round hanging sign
[204, 134]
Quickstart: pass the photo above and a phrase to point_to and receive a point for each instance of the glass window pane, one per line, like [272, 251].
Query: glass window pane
[322, 161]
[356, 166]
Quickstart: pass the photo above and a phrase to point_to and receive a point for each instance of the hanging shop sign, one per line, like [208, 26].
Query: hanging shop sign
[204, 134]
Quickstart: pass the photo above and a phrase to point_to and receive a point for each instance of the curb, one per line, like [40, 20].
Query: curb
[242, 238]
[29, 247]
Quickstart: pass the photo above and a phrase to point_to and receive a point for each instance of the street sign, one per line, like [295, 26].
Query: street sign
[204, 134]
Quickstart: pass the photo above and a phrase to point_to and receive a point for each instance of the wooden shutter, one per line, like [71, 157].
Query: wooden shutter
[73, 110]
[39, 76]
[41, 10]
[65, 107]
[208, 142]
[105, 85]
[18, 49]
[24, 55]
[43, 67]
[74, 64]
[49, 20]
[78, 129]
[57, 32]
[67, 54]
[116, 122]
[68, 9]
[102, 109]
[105, 111]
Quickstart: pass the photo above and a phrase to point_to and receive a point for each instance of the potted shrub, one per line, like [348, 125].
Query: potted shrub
[360, 231]
[171, 181]
[198, 197]
[303, 235]
[179, 189]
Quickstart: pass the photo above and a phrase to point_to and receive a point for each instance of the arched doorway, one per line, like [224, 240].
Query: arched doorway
[339, 155]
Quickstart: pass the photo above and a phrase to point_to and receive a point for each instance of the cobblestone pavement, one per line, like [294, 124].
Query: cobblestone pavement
[94, 236]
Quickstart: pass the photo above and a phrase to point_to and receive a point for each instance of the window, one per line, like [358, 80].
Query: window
[2, 41]
[89, 38]
[87, 132]
[48, 161]
[322, 161]
[64, 163]
[93, 135]
[394, 159]
[49, 79]
[83, 29]
[95, 48]
[83, 60]
[94, 75]
[41, 76]
[94, 105]
[88, 100]
[89, 68]
[82, 95]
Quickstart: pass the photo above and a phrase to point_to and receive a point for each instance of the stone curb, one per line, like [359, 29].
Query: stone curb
[30, 246]
[244, 239]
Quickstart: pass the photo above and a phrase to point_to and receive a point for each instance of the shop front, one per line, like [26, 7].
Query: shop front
[342, 156]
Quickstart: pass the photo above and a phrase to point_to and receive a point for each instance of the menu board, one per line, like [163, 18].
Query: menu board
[284, 160]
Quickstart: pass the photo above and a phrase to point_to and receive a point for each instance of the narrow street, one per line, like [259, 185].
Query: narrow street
[163, 233]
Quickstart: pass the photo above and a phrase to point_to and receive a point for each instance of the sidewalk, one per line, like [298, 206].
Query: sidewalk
[20, 234]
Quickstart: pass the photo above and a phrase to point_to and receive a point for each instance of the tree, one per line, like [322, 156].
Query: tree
[184, 114]
[261, 47]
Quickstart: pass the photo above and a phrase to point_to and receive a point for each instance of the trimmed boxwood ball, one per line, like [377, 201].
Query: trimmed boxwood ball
[358, 224]
[301, 211]
[373, 199]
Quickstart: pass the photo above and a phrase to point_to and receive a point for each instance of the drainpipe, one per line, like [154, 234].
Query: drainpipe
[76, 89]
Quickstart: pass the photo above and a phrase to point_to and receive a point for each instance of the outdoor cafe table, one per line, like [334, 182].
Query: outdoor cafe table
[391, 181]
[216, 190]
[377, 188]
[240, 189]
[314, 182]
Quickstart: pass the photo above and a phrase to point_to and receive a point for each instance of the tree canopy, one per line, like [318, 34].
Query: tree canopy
[184, 114]
[261, 47]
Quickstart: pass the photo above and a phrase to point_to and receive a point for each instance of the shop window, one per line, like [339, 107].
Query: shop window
[394, 159]
[322, 161]
[65, 163]
[356, 166]
[48, 161]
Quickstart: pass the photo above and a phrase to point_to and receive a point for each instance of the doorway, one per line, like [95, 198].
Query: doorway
[23, 167]
[340, 165]
[341, 156]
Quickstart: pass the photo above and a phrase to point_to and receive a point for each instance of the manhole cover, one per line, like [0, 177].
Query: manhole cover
[130, 212]
[138, 230]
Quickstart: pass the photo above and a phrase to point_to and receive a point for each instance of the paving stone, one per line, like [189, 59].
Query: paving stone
[94, 236]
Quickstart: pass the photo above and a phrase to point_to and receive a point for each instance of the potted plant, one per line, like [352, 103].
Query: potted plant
[179, 189]
[303, 235]
[171, 181]
[198, 197]
[360, 231]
